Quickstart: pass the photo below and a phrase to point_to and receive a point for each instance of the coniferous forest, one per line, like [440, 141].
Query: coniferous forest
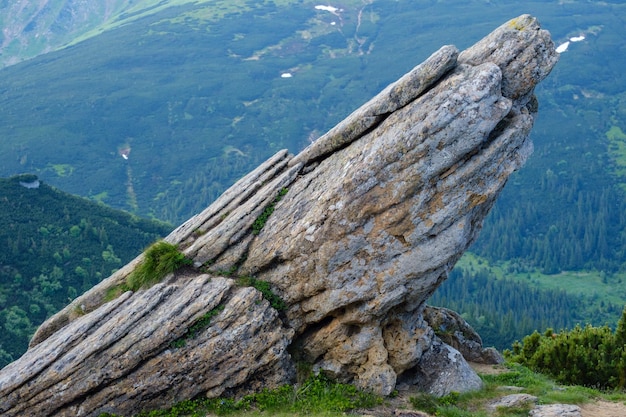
[505, 310]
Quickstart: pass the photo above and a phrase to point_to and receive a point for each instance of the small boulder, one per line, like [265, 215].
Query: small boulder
[556, 410]
[513, 400]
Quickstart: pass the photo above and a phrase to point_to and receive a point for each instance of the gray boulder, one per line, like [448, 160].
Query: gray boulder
[453, 330]
[513, 401]
[556, 410]
[376, 213]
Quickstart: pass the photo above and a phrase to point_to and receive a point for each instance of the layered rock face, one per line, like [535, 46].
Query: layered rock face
[371, 219]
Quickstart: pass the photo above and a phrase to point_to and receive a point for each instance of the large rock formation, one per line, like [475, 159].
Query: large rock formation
[376, 214]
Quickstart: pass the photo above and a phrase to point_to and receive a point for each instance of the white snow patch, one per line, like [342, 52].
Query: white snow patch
[562, 47]
[327, 8]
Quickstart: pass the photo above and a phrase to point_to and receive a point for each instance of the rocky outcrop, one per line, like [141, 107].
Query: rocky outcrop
[454, 331]
[353, 235]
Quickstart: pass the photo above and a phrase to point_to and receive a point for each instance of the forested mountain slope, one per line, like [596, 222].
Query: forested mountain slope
[55, 246]
[194, 103]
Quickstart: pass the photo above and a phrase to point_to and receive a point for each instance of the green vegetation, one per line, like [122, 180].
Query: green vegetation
[317, 395]
[266, 290]
[473, 404]
[157, 85]
[202, 323]
[431, 404]
[617, 152]
[588, 356]
[55, 247]
[503, 302]
[160, 259]
[262, 219]
[249, 281]
[554, 243]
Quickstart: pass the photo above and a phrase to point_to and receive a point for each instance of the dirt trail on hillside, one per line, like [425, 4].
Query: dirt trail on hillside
[604, 409]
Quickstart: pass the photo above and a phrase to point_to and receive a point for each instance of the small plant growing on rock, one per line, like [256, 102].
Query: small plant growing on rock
[262, 219]
[195, 328]
[159, 260]
[266, 290]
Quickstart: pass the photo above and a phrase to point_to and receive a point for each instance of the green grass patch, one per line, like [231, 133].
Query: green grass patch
[62, 170]
[202, 323]
[317, 396]
[159, 260]
[474, 404]
[266, 290]
[262, 219]
[113, 292]
[597, 285]
[617, 151]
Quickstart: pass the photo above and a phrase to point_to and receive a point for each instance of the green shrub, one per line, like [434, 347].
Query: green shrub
[159, 260]
[589, 356]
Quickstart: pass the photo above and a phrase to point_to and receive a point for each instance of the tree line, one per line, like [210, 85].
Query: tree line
[503, 311]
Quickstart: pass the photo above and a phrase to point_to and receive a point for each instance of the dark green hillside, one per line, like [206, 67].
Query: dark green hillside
[198, 102]
[55, 246]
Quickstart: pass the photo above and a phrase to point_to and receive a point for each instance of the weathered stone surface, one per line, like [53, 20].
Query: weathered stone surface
[442, 370]
[131, 339]
[453, 330]
[513, 400]
[556, 410]
[376, 214]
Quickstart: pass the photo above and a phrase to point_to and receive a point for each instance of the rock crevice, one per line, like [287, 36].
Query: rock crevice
[376, 213]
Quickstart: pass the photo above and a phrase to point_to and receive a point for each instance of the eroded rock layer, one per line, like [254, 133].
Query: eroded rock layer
[370, 220]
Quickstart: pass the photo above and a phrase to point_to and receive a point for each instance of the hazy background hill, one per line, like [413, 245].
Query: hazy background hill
[30, 28]
[157, 107]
